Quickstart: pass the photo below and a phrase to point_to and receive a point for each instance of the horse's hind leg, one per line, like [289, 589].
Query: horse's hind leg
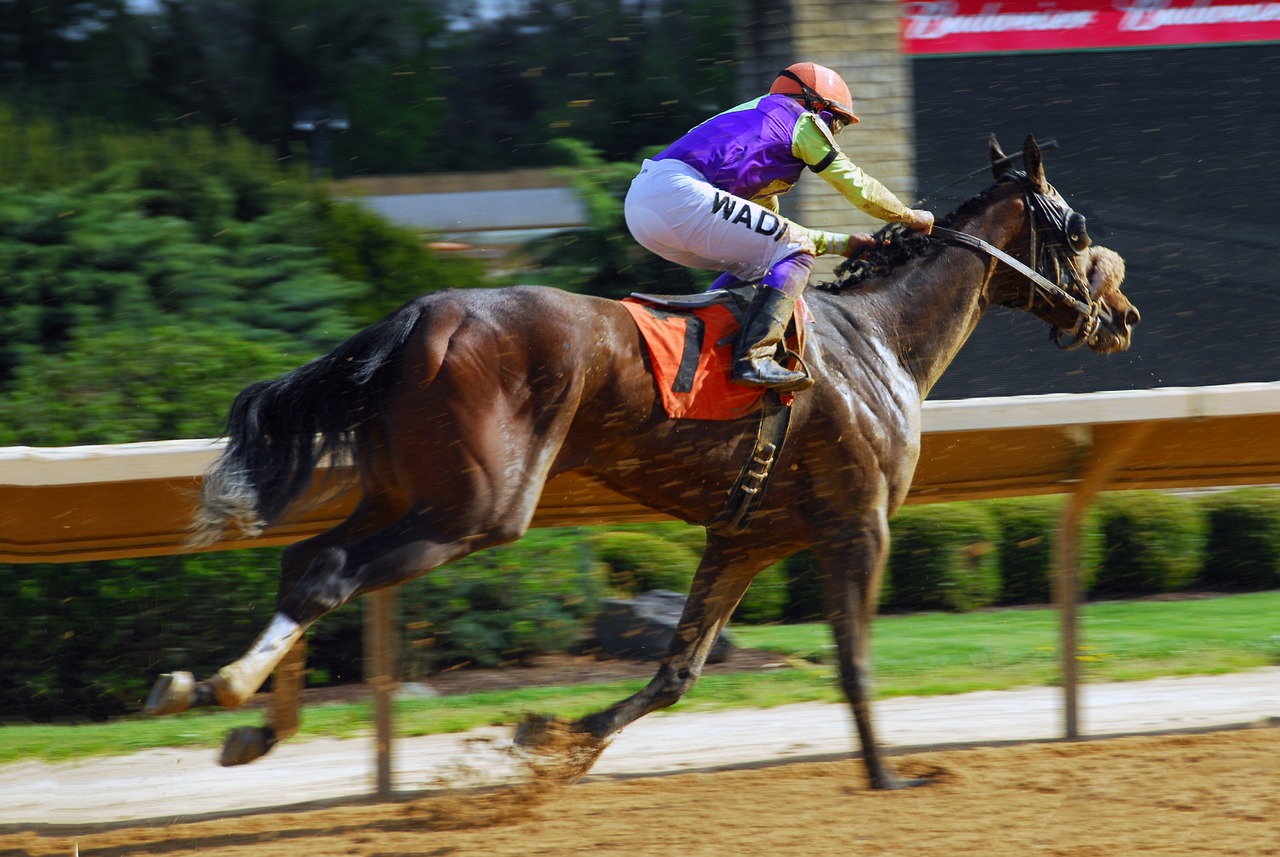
[233, 684]
[244, 744]
[283, 637]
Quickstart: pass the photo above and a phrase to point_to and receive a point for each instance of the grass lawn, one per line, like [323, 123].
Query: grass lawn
[918, 654]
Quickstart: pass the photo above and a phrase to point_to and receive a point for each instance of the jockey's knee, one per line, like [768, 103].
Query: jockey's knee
[790, 275]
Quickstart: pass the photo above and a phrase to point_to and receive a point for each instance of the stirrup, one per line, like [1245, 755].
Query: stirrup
[767, 373]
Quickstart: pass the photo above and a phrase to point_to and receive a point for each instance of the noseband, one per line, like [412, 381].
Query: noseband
[1067, 239]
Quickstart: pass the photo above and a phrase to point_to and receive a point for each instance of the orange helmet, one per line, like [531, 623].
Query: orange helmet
[818, 87]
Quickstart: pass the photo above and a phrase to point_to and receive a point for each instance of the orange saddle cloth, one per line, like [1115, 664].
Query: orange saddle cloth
[690, 343]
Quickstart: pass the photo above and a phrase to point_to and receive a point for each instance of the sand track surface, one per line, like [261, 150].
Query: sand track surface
[1215, 793]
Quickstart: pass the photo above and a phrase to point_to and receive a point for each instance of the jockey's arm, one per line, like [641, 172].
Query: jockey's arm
[823, 242]
[813, 144]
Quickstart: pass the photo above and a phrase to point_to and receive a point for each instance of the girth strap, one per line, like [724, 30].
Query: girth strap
[748, 491]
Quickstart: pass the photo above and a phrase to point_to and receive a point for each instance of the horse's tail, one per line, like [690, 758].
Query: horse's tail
[279, 431]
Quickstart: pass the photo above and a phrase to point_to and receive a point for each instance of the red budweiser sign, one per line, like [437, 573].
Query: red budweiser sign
[1005, 26]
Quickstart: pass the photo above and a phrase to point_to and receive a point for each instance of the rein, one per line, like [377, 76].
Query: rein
[1069, 230]
[1055, 291]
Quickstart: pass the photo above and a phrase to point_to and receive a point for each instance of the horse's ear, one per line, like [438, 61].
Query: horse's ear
[1033, 163]
[998, 161]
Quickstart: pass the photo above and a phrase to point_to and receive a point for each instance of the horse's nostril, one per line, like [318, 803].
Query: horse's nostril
[1132, 318]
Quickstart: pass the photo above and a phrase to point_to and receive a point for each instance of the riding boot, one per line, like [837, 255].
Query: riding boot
[761, 334]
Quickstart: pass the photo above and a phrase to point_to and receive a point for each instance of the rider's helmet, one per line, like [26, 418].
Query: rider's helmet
[819, 88]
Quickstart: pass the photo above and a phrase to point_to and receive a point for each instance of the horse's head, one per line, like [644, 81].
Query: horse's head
[1082, 299]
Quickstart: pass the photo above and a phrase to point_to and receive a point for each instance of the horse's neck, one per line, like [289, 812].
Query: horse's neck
[938, 301]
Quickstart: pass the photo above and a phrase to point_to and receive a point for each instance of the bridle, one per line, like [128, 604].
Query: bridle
[1067, 238]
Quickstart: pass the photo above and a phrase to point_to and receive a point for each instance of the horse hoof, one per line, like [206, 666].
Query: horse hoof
[244, 744]
[172, 694]
[538, 730]
[552, 750]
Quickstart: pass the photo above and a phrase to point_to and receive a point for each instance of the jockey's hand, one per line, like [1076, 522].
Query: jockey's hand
[921, 220]
[858, 242]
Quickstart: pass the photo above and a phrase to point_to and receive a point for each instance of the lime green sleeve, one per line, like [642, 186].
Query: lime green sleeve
[813, 144]
[825, 243]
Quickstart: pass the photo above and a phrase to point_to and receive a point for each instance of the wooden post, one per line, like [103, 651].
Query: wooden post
[380, 675]
[1101, 463]
[1067, 595]
[286, 691]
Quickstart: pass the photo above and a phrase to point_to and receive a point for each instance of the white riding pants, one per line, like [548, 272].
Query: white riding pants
[674, 212]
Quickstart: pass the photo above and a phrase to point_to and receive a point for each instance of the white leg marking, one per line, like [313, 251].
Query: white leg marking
[236, 682]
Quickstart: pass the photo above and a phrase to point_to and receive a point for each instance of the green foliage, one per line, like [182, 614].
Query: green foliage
[86, 639]
[500, 606]
[766, 599]
[618, 76]
[137, 300]
[264, 66]
[394, 119]
[637, 562]
[124, 385]
[1243, 548]
[943, 558]
[142, 244]
[1153, 543]
[804, 588]
[363, 247]
[39, 153]
[691, 537]
[1028, 528]
[418, 93]
[637, 558]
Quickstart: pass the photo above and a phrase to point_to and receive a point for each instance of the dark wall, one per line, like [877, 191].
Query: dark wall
[1173, 156]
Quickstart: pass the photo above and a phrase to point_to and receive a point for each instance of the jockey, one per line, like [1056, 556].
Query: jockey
[710, 200]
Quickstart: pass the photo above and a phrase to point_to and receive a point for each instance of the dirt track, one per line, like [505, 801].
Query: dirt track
[1208, 794]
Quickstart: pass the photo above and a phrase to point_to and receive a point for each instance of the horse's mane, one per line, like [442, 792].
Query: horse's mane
[896, 244]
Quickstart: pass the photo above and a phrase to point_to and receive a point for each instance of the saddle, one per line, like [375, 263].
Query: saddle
[690, 341]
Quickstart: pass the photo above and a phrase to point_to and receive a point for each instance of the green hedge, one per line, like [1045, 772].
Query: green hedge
[85, 639]
[766, 599]
[943, 557]
[1244, 540]
[643, 557]
[636, 561]
[502, 605]
[1028, 532]
[1153, 543]
[804, 588]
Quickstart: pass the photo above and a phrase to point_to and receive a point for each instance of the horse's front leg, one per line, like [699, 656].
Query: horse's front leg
[717, 588]
[852, 572]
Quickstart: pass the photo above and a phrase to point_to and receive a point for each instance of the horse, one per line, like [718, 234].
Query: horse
[455, 410]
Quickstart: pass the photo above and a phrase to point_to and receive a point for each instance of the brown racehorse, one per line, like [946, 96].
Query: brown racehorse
[457, 409]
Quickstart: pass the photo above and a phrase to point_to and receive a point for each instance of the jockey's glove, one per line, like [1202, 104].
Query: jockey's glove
[858, 242]
[921, 220]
